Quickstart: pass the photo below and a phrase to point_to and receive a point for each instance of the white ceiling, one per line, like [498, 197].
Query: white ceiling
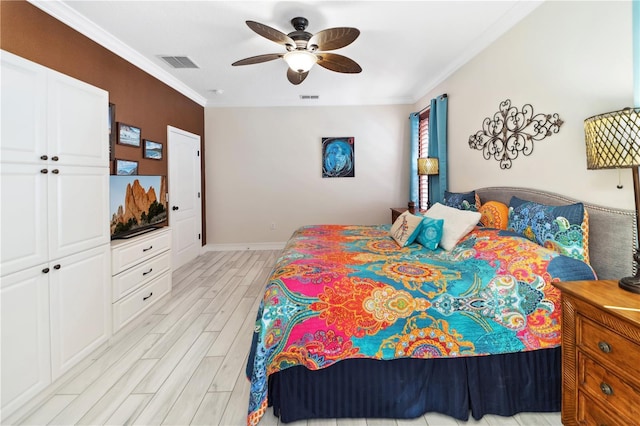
[405, 47]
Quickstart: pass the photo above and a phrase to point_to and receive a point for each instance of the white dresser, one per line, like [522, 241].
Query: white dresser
[141, 274]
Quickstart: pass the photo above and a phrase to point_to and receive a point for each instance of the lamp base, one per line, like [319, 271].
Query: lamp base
[631, 284]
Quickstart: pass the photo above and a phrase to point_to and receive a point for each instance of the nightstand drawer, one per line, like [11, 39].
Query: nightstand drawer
[607, 346]
[590, 413]
[612, 391]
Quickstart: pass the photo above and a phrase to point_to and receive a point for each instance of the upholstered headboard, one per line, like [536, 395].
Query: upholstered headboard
[612, 232]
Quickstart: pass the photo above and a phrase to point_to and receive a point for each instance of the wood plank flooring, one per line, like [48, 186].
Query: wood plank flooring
[183, 362]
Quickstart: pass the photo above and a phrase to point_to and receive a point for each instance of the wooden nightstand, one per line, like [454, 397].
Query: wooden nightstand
[397, 211]
[600, 354]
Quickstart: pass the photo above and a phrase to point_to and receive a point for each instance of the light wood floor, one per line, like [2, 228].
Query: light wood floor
[183, 362]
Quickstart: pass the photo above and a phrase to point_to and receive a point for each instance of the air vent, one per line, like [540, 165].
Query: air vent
[179, 61]
[309, 97]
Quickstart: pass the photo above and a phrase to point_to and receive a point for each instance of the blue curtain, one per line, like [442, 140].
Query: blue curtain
[414, 122]
[438, 148]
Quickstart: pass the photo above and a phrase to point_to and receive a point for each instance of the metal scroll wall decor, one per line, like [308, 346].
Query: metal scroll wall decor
[511, 132]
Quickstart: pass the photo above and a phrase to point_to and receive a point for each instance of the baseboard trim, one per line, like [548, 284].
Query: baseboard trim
[244, 246]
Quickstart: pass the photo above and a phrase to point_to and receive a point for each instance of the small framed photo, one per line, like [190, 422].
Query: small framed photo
[126, 167]
[152, 150]
[129, 135]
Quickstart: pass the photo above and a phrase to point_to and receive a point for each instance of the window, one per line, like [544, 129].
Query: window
[423, 149]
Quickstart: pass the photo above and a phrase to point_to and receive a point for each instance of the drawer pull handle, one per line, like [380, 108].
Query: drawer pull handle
[148, 272]
[150, 294]
[44, 171]
[147, 249]
[56, 267]
[604, 347]
[44, 157]
[55, 171]
[606, 389]
[45, 271]
[55, 158]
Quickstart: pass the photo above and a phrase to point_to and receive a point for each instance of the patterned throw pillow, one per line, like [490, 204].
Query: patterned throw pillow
[457, 223]
[494, 215]
[564, 229]
[405, 229]
[462, 200]
[430, 233]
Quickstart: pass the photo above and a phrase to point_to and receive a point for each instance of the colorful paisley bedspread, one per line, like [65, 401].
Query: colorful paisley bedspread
[340, 292]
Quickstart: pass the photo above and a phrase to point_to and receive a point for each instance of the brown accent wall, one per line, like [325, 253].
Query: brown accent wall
[140, 99]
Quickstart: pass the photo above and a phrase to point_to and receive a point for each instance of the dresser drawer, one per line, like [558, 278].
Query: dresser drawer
[127, 281]
[607, 346]
[140, 300]
[612, 391]
[590, 413]
[125, 254]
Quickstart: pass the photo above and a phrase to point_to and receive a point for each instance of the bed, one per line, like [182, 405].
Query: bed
[353, 325]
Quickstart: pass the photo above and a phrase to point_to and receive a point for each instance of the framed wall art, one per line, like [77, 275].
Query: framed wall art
[338, 157]
[152, 150]
[129, 135]
[126, 167]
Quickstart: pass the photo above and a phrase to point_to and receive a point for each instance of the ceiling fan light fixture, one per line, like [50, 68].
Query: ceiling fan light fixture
[300, 60]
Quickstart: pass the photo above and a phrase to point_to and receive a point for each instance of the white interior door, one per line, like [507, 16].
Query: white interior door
[185, 213]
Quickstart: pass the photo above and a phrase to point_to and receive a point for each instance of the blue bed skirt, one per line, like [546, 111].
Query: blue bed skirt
[407, 388]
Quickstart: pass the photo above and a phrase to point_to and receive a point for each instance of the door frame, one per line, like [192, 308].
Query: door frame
[199, 202]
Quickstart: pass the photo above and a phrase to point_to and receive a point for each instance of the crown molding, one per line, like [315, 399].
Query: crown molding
[69, 16]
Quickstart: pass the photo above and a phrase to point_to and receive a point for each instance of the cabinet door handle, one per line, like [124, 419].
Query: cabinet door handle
[44, 171]
[55, 171]
[150, 294]
[45, 271]
[44, 157]
[148, 272]
[56, 267]
[606, 389]
[55, 158]
[147, 249]
[604, 347]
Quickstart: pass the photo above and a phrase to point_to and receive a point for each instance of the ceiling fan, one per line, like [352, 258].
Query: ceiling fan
[305, 49]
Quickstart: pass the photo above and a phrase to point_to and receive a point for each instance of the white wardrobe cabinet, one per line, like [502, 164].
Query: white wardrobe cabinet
[26, 361]
[51, 119]
[47, 215]
[55, 258]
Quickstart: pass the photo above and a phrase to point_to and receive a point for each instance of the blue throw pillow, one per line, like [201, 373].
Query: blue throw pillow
[462, 200]
[430, 233]
[564, 229]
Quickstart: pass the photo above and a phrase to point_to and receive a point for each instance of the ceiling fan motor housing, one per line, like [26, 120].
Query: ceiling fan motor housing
[300, 36]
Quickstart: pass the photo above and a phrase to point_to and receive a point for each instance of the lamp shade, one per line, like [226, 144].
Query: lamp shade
[300, 60]
[613, 139]
[428, 166]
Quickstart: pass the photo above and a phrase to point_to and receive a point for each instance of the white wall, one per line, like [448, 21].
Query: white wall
[263, 166]
[571, 58]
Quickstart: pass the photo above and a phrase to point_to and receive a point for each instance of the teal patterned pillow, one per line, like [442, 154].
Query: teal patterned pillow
[430, 233]
[564, 229]
[462, 200]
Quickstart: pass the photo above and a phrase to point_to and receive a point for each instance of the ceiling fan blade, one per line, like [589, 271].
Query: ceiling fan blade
[296, 77]
[333, 38]
[257, 59]
[338, 63]
[271, 34]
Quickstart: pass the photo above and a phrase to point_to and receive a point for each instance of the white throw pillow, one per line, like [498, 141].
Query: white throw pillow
[457, 223]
